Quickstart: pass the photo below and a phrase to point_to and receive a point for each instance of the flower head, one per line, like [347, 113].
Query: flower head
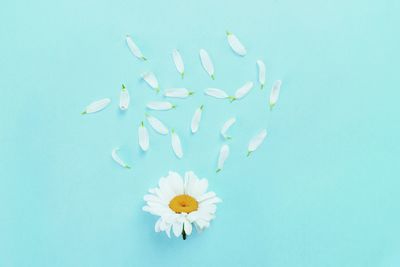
[180, 203]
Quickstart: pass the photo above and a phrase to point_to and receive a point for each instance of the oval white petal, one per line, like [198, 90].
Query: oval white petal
[143, 137]
[223, 155]
[178, 93]
[134, 48]
[176, 144]
[256, 141]
[226, 127]
[244, 90]
[124, 98]
[157, 125]
[273, 97]
[96, 106]
[261, 73]
[180, 67]
[207, 63]
[215, 92]
[117, 159]
[235, 44]
[194, 126]
[151, 80]
[160, 105]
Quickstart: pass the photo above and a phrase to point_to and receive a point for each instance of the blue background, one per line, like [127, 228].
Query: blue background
[323, 190]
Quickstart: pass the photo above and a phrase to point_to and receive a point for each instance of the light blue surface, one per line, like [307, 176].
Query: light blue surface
[323, 190]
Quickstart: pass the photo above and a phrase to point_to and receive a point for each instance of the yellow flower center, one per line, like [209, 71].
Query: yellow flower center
[183, 203]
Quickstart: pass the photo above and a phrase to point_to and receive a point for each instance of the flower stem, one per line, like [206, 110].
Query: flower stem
[183, 234]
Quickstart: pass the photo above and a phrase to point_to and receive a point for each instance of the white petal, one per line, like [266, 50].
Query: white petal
[96, 106]
[215, 92]
[134, 48]
[211, 201]
[206, 196]
[261, 73]
[207, 63]
[256, 141]
[273, 98]
[235, 44]
[157, 125]
[117, 159]
[178, 93]
[177, 228]
[196, 119]
[180, 67]
[200, 189]
[124, 98]
[243, 91]
[176, 144]
[168, 230]
[143, 137]
[176, 183]
[157, 226]
[188, 227]
[223, 155]
[151, 80]
[190, 182]
[160, 105]
[226, 127]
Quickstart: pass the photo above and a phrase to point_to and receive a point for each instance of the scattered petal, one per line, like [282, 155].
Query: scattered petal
[160, 105]
[196, 119]
[273, 97]
[178, 93]
[124, 98]
[180, 67]
[117, 159]
[151, 80]
[157, 125]
[226, 127]
[217, 93]
[235, 44]
[134, 48]
[143, 137]
[256, 141]
[207, 63]
[261, 72]
[96, 106]
[223, 155]
[176, 144]
[242, 91]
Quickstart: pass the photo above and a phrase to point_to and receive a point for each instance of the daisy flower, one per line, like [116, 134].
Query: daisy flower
[180, 203]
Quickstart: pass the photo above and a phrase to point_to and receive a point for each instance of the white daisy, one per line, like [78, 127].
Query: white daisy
[180, 203]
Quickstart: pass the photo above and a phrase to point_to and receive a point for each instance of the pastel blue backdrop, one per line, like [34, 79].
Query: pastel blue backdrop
[323, 190]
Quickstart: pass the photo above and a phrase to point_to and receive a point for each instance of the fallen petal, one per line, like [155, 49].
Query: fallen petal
[96, 106]
[117, 159]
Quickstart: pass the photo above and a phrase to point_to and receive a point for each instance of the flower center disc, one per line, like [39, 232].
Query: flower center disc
[183, 203]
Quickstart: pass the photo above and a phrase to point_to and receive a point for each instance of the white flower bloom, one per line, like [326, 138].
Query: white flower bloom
[242, 91]
[160, 105]
[176, 144]
[180, 67]
[151, 80]
[261, 73]
[217, 93]
[194, 126]
[226, 127]
[256, 141]
[134, 48]
[207, 63]
[117, 159]
[143, 137]
[235, 44]
[96, 106]
[179, 203]
[157, 125]
[124, 98]
[223, 155]
[178, 93]
[273, 97]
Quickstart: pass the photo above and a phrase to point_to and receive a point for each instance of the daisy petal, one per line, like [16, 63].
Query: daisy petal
[160, 105]
[261, 73]
[190, 182]
[256, 141]
[206, 196]
[217, 93]
[177, 228]
[243, 91]
[143, 137]
[176, 144]
[157, 125]
[151, 80]
[273, 98]
[134, 48]
[223, 155]
[96, 106]
[196, 119]
[207, 63]
[235, 44]
[226, 127]
[178, 93]
[180, 67]
[117, 159]
[176, 183]
[188, 227]
[124, 98]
